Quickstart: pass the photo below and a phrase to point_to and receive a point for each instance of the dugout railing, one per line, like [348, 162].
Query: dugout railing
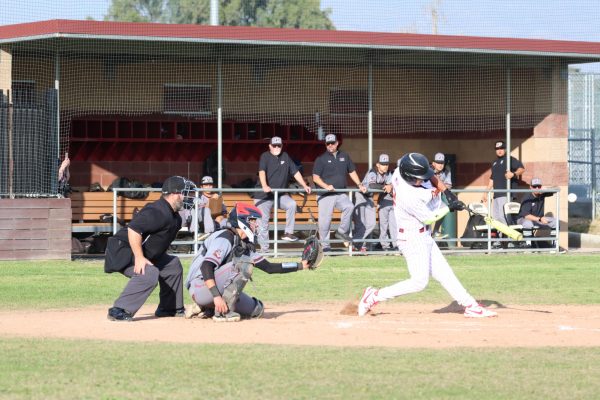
[305, 224]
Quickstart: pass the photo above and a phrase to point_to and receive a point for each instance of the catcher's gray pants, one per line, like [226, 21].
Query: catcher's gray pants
[166, 272]
[387, 221]
[223, 277]
[364, 217]
[339, 201]
[265, 206]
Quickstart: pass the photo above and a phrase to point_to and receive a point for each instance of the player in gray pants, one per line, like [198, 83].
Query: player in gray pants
[329, 172]
[364, 211]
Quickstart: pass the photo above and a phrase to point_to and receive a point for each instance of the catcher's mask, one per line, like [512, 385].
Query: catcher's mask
[179, 184]
[414, 166]
[245, 216]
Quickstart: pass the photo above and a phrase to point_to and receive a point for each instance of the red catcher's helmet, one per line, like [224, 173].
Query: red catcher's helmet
[244, 216]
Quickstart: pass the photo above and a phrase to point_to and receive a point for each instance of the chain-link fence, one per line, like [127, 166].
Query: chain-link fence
[584, 147]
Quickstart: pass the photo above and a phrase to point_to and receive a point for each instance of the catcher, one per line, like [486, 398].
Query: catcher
[220, 271]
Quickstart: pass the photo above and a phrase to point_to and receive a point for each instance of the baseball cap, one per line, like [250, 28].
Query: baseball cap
[330, 138]
[536, 182]
[439, 158]
[384, 159]
[500, 144]
[206, 179]
[174, 184]
[276, 140]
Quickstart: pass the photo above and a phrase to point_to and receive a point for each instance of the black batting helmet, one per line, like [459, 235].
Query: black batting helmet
[414, 166]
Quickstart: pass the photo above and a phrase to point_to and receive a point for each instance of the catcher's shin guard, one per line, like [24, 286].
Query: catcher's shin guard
[259, 309]
[231, 293]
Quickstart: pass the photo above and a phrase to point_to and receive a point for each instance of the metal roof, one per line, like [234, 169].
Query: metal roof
[585, 51]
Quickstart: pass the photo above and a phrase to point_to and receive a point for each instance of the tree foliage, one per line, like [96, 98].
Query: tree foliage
[306, 14]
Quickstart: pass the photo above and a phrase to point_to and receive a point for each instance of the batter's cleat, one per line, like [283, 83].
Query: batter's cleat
[229, 316]
[343, 237]
[478, 311]
[118, 314]
[367, 301]
[162, 313]
[288, 237]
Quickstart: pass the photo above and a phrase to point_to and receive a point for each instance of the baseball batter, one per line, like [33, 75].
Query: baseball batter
[415, 208]
[224, 265]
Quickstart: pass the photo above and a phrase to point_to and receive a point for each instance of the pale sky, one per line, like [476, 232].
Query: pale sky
[577, 20]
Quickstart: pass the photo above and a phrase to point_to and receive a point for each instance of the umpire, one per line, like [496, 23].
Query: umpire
[329, 172]
[139, 252]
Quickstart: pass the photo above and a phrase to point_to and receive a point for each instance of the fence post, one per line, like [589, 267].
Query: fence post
[275, 209]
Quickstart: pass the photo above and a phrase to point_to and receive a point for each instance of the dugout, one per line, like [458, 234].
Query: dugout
[150, 100]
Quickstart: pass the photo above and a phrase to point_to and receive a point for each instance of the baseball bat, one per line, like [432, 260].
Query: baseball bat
[507, 230]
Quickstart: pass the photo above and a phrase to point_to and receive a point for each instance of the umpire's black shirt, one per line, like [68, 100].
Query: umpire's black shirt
[158, 224]
[498, 171]
[333, 168]
[278, 170]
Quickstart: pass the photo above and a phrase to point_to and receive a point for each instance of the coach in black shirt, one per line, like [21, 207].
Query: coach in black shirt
[139, 252]
[501, 171]
[329, 172]
[275, 169]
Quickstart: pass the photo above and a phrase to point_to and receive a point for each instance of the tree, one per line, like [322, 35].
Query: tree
[305, 14]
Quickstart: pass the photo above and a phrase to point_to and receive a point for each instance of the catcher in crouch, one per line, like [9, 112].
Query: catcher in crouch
[224, 265]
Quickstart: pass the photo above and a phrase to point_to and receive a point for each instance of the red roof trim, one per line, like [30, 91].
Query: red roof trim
[236, 33]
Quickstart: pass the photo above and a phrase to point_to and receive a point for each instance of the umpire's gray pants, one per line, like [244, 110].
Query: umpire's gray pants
[364, 217]
[265, 206]
[327, 204]
[166, 272]
[387, 221]
[223, 277]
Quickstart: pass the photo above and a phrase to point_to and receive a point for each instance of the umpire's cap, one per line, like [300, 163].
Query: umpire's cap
[174, 184]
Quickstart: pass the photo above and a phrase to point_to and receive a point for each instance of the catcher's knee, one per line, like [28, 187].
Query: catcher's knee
[232, 292]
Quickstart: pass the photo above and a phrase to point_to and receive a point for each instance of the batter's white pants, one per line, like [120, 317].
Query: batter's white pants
[424, 258]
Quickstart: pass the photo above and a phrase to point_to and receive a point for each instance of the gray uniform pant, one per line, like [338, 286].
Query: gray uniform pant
[387, 221]
[338, 201]
[364, 217]
[204, 218]
[498, 208]
[223, 277]
[166, 272]
[265, 206]
[527, 224]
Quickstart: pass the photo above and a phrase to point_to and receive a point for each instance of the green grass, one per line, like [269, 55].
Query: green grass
[512, 279]
[59, 369]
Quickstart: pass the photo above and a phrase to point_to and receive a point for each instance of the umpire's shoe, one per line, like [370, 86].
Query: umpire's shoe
[161, 313]
[229, 316]
[118, 314]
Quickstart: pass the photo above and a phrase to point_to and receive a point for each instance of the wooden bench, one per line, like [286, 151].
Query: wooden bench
[89, 207]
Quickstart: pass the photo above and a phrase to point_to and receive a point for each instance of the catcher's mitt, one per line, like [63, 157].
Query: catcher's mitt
[313, 252]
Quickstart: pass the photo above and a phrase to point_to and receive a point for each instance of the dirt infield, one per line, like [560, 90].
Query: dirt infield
[392, 325]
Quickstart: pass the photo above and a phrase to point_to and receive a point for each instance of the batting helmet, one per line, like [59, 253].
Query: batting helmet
[241, 216]
[414, 166]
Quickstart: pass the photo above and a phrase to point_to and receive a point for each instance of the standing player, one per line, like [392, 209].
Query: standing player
[221, 270]
[364, 210]
[329, 172]
[275, 169]
[415, 209]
